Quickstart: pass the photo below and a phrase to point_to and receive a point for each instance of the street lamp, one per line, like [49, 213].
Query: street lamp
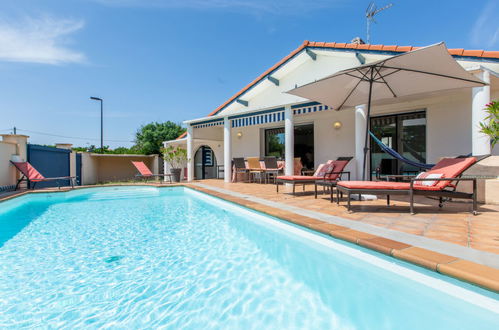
[101, 123]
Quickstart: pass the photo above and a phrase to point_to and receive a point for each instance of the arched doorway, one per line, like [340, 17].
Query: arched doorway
[205, 164]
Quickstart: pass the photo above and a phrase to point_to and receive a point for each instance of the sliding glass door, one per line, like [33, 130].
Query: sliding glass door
[406, 134]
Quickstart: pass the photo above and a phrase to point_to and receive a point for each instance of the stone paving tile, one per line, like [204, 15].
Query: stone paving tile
[453, 223]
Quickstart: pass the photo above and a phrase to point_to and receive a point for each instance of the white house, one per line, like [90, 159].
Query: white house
[261, 119]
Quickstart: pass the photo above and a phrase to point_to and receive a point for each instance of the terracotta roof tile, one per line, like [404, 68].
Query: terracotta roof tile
[456, 51]
[475, 53]
[404, 48]
[390, 48]
[342, 45]
[492, 54]
[363, 46]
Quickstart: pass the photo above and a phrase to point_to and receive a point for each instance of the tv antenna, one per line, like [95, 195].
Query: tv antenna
[371, 11]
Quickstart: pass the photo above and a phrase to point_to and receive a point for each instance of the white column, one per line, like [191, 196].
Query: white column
[227, 151]
[190, 153]
[480, 97]
[360, 136]
[289, 141]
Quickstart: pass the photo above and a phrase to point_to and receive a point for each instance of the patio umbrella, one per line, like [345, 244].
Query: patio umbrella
[427, 69]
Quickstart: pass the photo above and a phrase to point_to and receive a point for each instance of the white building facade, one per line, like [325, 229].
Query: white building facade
[262, 119]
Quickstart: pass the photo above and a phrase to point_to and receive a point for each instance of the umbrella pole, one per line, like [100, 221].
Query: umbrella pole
[366, 141]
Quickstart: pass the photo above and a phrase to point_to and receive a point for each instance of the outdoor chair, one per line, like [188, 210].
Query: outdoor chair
[31, 175]
[255, 169]
[239, 167]
[332, 178]
[440, 181]
[320, 174]
[272, 169]
[145, 172]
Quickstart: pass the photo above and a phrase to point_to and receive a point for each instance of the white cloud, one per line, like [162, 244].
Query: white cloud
[269, 6]
[485, 31]
[39, 40]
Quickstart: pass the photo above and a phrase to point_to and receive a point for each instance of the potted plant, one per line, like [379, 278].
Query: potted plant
[491, 125]
[176, 158]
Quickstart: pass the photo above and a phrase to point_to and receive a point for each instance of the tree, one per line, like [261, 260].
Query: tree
[149, 138]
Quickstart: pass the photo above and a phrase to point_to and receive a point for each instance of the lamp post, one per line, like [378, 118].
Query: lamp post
[101, 122]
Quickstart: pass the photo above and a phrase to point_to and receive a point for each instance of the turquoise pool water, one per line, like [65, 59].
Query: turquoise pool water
[142, 257]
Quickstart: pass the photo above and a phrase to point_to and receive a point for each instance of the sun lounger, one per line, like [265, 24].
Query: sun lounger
[440, 181]
[31, 175]
[335, 176]
[145, 172]
[323, 172]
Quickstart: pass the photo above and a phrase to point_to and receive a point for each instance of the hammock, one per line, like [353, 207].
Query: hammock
[398, 156]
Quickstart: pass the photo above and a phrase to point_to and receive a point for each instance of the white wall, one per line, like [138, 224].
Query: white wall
[88, 169]
[331, 143]
[7, 170]
[249, 145]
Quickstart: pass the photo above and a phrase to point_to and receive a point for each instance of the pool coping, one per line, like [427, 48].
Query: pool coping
[468, 271]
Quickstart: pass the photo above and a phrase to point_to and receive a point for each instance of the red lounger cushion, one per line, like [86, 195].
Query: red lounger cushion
[29, 171]
[339, 166]
[450, 168]
[383, 185]
[142, 168]
[300, 178]
[387, 185]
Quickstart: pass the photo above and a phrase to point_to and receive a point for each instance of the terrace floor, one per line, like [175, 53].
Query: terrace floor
[452, 224]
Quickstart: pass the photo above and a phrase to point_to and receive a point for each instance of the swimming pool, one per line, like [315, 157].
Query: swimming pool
[136, 257]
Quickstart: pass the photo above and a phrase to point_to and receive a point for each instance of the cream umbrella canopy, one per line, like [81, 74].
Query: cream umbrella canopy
[428, 69]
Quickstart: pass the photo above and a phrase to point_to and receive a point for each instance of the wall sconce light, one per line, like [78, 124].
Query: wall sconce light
[337, 124]
[239, 135]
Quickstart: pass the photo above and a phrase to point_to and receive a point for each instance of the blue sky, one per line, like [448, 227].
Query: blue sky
[158, 60]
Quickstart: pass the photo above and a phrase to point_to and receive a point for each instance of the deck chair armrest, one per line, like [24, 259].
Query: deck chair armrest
[54, 178]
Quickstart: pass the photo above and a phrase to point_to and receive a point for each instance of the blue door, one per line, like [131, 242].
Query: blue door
[78, 169]
[50, 162]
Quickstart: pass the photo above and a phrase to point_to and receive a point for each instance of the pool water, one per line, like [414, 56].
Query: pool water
[143, 257]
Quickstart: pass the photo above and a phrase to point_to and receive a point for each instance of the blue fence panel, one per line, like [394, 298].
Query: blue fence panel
[50, 162]
[78, 170]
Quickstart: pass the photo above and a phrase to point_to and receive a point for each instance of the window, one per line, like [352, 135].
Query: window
[274, 142]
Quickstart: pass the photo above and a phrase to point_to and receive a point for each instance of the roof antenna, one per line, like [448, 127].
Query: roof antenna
[371, 11]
